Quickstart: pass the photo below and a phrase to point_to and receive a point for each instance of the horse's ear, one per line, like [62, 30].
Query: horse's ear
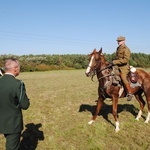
[100, 51]
[94, 51]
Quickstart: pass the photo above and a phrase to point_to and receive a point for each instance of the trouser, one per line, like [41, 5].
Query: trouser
[124, 76]
[12, 141]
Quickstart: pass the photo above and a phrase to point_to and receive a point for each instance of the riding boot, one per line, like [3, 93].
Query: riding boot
[130, 92]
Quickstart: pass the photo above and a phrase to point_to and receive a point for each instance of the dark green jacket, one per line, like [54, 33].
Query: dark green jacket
[13, 98]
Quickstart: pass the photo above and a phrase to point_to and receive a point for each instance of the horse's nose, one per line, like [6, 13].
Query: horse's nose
[88, 70]
[87, 74]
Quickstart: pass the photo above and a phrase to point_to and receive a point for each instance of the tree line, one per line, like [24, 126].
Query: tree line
[44, 62]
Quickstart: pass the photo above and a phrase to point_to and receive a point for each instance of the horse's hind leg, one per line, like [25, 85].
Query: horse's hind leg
[148, 103]
[148, 117]
[98, 107]
[142, 104]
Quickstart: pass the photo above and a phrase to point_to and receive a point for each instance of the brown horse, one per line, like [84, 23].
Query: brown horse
[98, 65]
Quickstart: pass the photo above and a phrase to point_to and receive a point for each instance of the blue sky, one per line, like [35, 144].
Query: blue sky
[73, 26]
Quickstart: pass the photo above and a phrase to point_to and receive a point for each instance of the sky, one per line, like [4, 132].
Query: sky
[73, 26]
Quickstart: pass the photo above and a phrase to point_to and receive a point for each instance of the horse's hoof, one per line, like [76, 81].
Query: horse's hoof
[90, 122]
[117, 130]
[137, 119]
[146, 121]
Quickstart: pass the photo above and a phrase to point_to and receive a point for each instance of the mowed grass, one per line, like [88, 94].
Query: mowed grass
[62, 103]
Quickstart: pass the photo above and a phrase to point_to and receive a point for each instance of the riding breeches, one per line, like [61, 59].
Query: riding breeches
[123, 74]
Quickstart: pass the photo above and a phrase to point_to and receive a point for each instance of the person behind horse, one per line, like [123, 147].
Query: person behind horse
[13, 99]
[123, 54]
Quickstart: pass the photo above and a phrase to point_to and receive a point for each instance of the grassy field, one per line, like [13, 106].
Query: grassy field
[62, 103]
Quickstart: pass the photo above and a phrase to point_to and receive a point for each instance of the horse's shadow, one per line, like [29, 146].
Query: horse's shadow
[107, 109]
[31, 136]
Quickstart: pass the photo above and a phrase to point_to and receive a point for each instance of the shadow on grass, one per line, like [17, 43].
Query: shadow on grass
[107, 109]
[31, 136]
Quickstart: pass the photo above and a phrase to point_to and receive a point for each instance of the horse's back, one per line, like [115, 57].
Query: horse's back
[144, 80]
[143, 74]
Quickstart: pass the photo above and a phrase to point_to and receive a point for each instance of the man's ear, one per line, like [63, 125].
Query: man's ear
[15, 70]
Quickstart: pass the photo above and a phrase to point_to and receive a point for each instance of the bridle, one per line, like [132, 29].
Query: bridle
[95, 69]
[101, 69]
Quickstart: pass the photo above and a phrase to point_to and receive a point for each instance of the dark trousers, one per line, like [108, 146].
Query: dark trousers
[12, 141]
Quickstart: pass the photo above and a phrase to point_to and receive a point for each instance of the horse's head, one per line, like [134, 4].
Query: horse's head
[96, 59]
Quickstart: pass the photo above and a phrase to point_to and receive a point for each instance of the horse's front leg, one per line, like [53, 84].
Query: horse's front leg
[98, 108]
[114, 112]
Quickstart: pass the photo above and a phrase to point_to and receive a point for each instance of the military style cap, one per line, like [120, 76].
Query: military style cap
[121, 38]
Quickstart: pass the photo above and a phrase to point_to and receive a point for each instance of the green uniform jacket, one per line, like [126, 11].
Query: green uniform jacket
[13, 98]
[122, 58]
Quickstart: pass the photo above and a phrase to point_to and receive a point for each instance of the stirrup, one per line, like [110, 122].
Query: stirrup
[129, 97]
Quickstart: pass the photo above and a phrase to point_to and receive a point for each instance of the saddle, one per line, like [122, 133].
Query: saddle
[132, 76]
[115, 76]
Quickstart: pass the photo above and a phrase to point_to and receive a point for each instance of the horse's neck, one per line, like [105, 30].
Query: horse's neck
[102, 71]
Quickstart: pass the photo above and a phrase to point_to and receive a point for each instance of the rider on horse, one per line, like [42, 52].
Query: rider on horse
[122, 61]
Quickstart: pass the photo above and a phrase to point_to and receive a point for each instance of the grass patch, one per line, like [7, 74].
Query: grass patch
[61, 106]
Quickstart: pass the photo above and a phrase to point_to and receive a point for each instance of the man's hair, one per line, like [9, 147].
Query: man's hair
[11, 63]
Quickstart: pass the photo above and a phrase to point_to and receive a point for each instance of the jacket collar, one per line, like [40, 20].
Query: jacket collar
[9, 74]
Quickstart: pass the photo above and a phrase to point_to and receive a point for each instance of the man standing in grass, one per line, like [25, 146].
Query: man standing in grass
[13, 99]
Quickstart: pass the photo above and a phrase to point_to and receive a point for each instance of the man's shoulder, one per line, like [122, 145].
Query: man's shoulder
[125, 47]
[9, 79]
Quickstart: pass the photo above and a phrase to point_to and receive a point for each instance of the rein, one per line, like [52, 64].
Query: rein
[105, 68]
[104, 76]
[100, 71]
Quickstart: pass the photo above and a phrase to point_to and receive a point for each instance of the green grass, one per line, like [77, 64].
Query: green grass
[56, 98]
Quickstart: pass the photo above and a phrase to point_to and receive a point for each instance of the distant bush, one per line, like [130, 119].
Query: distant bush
[43, 62]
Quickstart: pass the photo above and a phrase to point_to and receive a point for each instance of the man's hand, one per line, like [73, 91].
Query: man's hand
[110, 64]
